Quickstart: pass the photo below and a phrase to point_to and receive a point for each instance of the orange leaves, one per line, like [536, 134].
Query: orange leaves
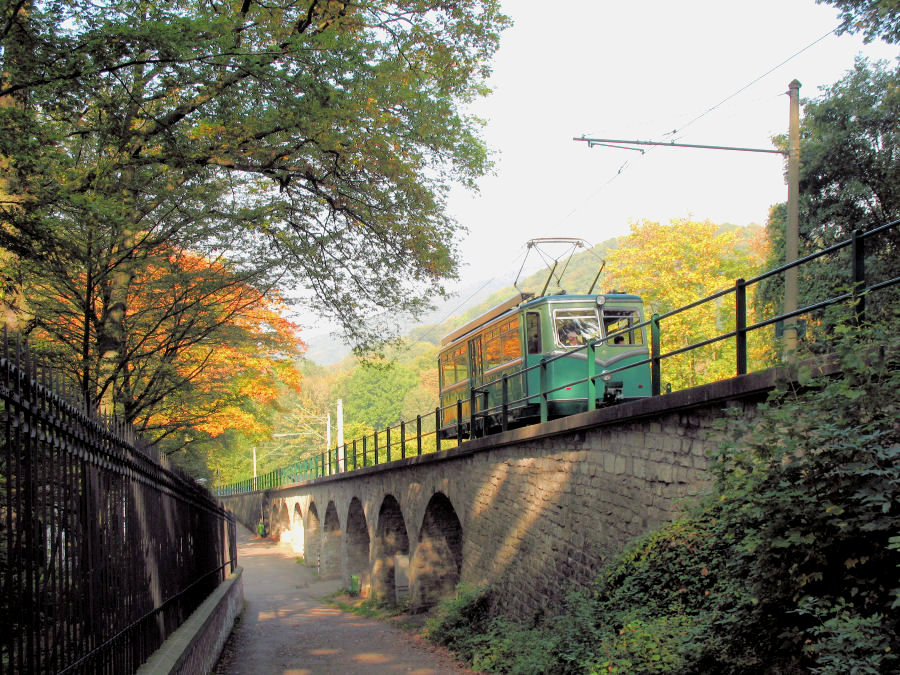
[672, 265]
[227, 341]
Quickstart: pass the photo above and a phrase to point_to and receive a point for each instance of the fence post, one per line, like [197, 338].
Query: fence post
[543, 401]
[437, 429]
[858, 248]
[387, 442]
[740, 319]
[354, 455]
[591, 372]
[472, 406]
[375, 443]
[458, 421]
[418, 434]
[655, 370]
[364, 451]
[504, 404]
[402, 439]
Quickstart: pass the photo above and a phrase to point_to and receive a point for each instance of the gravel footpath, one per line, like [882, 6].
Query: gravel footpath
[286, 630]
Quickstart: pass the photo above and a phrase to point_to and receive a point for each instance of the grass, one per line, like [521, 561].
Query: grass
[396, 615]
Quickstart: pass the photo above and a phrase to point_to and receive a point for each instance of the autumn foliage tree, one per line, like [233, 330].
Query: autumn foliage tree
[164, 168]
[202, 341]
[672, 265]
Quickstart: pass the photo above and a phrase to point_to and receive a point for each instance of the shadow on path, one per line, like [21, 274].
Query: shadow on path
[285, 630]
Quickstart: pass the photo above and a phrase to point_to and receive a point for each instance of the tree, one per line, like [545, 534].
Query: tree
[200, 341]
[374, 393]
[874, 18]
[331, 130]
[673, 265]
[299, 144]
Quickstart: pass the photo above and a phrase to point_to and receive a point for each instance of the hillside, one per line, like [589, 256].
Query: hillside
[323, 349]
[577, 279]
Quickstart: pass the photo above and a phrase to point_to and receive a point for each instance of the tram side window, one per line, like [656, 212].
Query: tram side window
[501, 345]
[491, 349]
[454, 366]
[533, 332]
[509, 339]
[615, 320]
[576, 326]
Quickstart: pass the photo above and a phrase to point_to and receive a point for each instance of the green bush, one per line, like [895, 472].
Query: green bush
[812, 488]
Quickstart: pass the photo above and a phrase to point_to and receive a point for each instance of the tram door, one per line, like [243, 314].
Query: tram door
[476, 374]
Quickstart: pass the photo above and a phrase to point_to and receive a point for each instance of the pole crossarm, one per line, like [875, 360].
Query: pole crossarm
[620, 143]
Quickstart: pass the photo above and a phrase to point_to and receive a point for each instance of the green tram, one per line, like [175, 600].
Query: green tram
[517, 335]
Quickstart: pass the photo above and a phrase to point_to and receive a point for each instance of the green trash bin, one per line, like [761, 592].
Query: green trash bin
[354, 584]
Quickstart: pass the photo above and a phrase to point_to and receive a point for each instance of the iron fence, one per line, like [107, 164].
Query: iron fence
[384, 446]
[105, 549]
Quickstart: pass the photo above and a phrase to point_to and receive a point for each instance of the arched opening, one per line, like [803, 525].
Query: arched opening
[437, 562]
[313, 535]
[331, 556]
[358, 546]
[282, 524]
[297, 530]
[391, 556]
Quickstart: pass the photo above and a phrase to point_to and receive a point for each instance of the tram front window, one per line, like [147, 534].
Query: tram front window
[576, 327]
[618, 321]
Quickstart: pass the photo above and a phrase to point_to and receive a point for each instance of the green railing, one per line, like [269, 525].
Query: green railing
[407, 438]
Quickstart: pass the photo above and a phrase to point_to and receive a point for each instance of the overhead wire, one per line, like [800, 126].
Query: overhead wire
[706, 112]
[452, 312]
[751, 83]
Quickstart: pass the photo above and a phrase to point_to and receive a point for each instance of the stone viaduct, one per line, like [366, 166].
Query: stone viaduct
[531, 511]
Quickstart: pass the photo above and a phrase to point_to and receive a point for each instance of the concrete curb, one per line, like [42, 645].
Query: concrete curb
[196, 645]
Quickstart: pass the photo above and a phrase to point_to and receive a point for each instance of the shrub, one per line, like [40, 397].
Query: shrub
[789, 564]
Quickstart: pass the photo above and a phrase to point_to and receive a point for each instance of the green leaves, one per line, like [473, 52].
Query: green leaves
[872, 18]
[336, 124]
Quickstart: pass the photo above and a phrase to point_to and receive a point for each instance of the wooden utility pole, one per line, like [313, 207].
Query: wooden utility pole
[792, 231]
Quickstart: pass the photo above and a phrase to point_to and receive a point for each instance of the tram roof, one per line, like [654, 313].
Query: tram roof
[492, 313]
[527, 300]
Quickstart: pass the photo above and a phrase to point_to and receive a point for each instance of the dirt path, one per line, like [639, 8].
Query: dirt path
[286, 630]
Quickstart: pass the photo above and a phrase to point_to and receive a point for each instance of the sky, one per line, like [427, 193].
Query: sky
[708, 70]
[629, 70]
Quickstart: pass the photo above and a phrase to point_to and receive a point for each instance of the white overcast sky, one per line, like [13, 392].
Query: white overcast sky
[639, 70]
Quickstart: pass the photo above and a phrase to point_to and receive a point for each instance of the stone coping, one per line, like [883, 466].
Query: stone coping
[177, 651]
[756, 385]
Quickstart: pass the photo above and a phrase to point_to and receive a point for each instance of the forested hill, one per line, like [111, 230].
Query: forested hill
[577, 279]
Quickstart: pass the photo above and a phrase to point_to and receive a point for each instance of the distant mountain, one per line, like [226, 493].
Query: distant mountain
[325, 348]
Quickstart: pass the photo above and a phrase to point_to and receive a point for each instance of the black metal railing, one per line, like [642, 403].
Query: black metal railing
[383, 446]
[105, 549]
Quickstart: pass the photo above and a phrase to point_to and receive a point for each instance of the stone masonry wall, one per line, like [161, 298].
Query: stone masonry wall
[542, 507]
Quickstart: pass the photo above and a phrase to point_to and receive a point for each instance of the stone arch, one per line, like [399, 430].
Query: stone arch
[281, 521]
[313, 535]
[391, 554]
[437, 563]
[297, 530]
[358, 546]
[331, 555]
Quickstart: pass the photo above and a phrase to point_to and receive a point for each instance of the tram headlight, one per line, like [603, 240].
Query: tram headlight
[600, 300]
[606, 378]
